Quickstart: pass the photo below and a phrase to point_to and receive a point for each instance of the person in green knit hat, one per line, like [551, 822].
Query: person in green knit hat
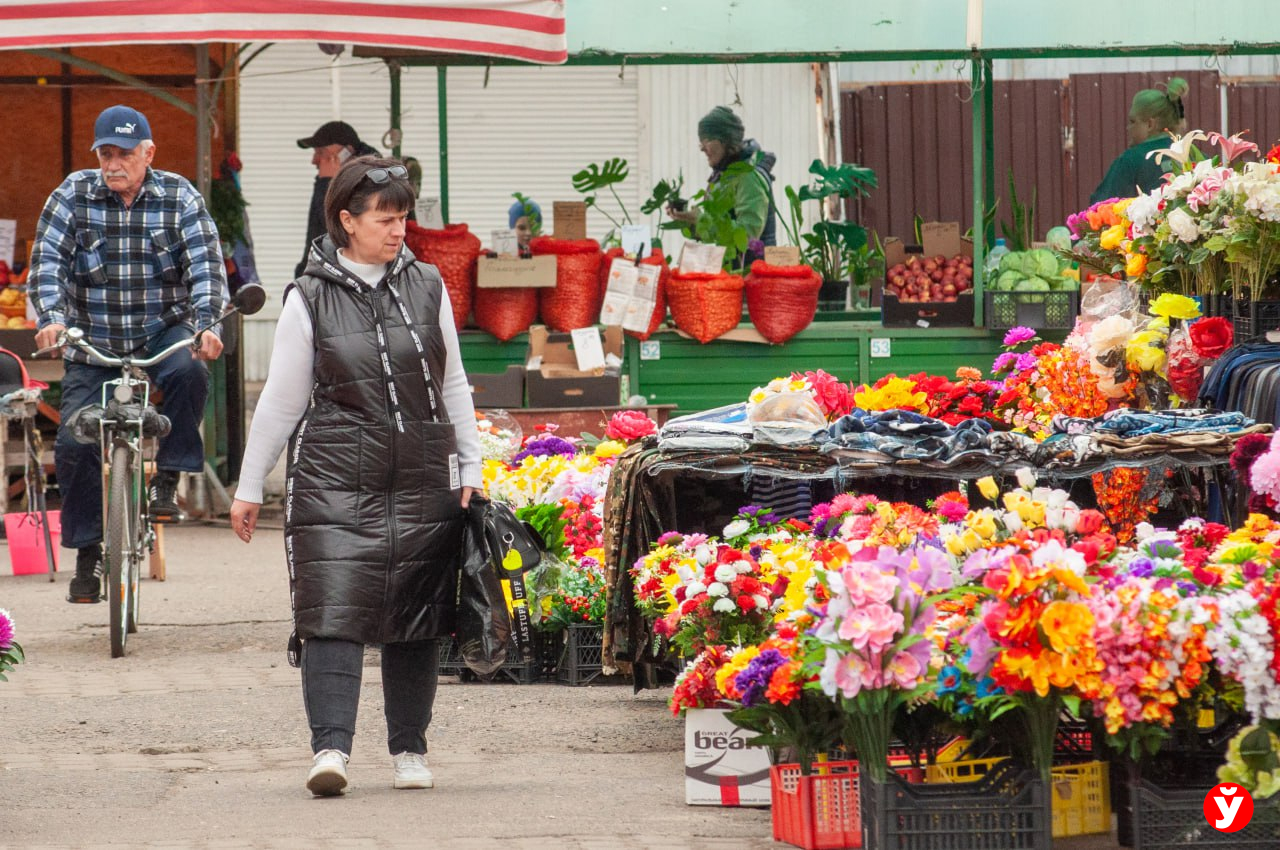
[1153, 116]
[722, 139]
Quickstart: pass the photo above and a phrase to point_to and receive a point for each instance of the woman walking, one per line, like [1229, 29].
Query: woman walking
[366, 385]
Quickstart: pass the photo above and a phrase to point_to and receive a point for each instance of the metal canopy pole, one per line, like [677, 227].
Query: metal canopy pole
[442, 108]
[394, 67]
[977, 105]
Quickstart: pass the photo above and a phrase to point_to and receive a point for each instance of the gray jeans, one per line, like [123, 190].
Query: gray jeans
[331, 673]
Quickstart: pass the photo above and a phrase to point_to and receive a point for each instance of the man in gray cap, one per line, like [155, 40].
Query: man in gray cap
[332, 144]
[129, 255]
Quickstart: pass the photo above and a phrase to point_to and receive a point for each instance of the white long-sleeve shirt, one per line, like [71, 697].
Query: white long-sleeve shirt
[287, 393]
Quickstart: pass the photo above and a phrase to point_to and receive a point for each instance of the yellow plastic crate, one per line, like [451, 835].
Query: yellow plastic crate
[1081, 792]
[1081, 799]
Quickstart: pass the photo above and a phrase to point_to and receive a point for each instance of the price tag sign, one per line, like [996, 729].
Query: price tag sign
[569, 219]
[505, 243]
[429, 213]
[588, 349]
[782, 255]
[635, 240]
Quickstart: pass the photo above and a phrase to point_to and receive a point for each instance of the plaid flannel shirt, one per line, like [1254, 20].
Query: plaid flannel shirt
[125, 275]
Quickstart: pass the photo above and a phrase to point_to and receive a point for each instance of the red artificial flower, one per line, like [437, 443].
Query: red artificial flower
[1211, 337]
[628, 425]
[1273, 155]
[746, 603]
[1090, 521]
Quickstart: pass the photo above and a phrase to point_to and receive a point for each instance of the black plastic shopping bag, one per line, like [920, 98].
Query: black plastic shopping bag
[483, 627]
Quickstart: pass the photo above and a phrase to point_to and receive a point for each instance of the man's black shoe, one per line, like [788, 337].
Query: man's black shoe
[86, 586]
[163, 497]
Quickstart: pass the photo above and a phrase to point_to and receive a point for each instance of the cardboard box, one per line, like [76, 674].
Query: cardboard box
[719, 768]
[504, 389]
[552, 377]
[512, 272]
[21, 341]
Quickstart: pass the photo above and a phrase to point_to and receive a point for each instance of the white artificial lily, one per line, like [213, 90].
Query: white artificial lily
[1180, 148]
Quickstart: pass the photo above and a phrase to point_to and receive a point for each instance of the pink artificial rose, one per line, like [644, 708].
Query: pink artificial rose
[904, 670]
[629, 425]
[850, 670]
[866, 582]
[872, 626]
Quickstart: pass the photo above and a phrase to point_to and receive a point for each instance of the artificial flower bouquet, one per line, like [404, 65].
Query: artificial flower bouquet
[10, 649]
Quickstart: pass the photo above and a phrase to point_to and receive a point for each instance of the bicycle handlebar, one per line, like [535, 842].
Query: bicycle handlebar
[102, 359]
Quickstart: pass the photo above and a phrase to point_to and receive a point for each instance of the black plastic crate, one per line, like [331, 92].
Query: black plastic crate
[1008, 809]
[927, 314]
[1169, 819]
[1252, 319]
[1040, 310]
[581, 657]
[515, 670]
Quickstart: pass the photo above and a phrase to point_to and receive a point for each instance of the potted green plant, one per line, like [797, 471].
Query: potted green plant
[591, 180]
[829, 247]
[665, 193]
[715, 224]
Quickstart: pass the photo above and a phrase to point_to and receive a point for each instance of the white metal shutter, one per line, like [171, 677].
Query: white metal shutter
[775, 102]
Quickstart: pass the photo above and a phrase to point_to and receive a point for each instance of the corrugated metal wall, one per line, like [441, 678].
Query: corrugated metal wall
[870, 73]
[1058, 137]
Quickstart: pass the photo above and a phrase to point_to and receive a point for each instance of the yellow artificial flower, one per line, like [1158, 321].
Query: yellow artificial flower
[1135, 265]
[988, 488]
[1110, 238]
[1120, 206]
[983, 524]
[1146, 358]
[895, 393]
[608, 449]
[1159, 323]
[1173, 306]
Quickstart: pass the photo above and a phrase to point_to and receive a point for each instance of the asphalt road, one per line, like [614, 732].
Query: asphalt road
[197, 738]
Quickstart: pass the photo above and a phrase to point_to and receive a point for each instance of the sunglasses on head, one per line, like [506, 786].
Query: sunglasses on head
[382, 175]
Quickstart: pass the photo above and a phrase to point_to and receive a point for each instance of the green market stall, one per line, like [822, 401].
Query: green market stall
[852, 345]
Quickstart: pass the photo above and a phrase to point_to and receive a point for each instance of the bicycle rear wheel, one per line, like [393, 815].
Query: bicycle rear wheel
[121, 559]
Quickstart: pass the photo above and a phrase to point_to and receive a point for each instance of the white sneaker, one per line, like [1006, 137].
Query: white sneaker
[328, 775]
[412, 771]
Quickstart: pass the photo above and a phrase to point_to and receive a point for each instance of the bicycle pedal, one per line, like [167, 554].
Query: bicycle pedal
[168, 518]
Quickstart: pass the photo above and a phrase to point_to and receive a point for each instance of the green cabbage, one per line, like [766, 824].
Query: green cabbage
[1033, 284]
[1007, 281]
[1046, 262]
[1011, 261]
[1059, 238]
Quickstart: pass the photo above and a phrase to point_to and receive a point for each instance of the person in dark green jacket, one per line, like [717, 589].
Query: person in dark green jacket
[1153, 116]
[721, 138]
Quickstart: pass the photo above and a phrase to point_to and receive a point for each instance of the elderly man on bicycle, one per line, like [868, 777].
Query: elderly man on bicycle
[129, 255]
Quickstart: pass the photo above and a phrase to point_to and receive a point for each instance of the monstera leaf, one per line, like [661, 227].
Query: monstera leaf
[844, 180]
[594, 177]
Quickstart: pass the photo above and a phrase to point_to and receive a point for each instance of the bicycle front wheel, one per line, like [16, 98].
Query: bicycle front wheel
[121, 559]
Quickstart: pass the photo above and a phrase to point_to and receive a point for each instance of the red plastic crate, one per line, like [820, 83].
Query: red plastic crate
[819, 811]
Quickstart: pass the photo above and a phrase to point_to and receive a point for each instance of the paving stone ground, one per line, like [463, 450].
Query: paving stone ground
[197, 738]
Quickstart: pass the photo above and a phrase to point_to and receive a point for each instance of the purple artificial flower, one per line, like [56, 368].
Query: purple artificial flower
[1026, 361]
[755, 551]
[753, 681]
[1004, 362]
[1019, 335]
[545, 447]
[1141, 567]
[755, 247]
[6, 630]
[982, 649]
[1188, 588]
[1253, 570]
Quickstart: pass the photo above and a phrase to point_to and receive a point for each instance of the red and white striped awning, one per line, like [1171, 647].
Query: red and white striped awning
[529, 30]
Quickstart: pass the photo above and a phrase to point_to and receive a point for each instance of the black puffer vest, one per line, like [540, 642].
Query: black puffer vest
[373, 525]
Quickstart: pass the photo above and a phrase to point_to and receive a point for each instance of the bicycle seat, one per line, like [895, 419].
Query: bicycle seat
[13, 374]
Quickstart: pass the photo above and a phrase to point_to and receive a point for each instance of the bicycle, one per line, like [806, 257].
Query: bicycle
[125, 425]
[19, 401]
